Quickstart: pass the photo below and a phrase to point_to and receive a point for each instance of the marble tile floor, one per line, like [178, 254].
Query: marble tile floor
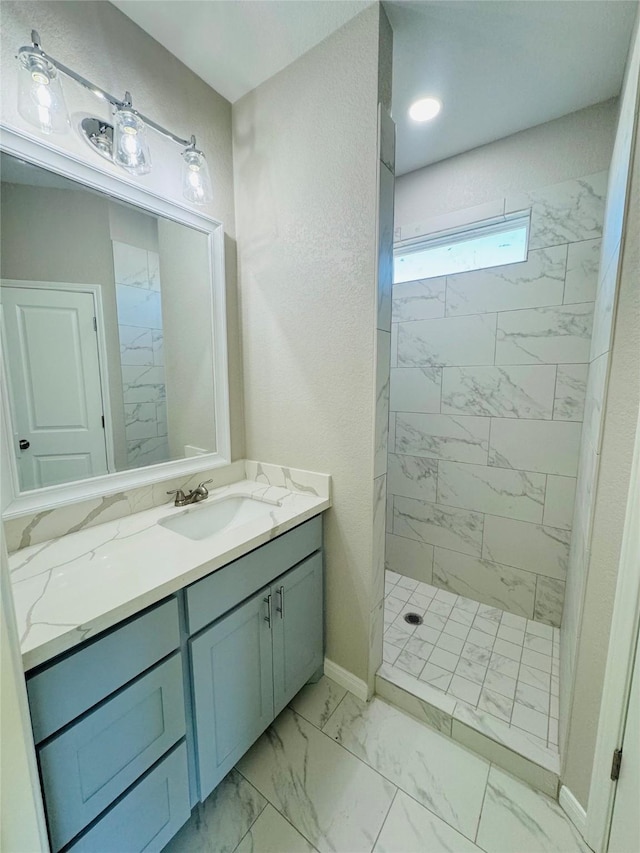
[502, 665]
[336, 774]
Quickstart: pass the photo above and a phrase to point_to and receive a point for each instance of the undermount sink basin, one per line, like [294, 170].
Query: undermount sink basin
[207, 519]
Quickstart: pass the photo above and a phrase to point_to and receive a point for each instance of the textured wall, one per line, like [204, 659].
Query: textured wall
[613, 396]
[306, 163]
[98, 41]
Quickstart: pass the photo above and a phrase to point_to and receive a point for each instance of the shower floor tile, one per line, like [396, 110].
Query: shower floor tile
[482, 657]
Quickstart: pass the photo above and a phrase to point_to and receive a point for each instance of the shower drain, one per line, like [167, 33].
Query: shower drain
[413, 618]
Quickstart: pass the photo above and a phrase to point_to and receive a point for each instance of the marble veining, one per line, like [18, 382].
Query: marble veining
[516, 817]
[462, 438]
[567, 212]
[419, 300]
[428, 522]
[556, 334]
[96, 563]
[413, 759]
[535, 282]
[219, 824]
[571, 387]
[290, 765]
[508, 392]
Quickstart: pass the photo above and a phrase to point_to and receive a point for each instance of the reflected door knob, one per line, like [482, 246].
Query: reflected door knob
[24, 444]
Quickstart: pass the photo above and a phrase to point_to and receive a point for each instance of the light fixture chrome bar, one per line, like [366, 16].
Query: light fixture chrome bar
[102, 93]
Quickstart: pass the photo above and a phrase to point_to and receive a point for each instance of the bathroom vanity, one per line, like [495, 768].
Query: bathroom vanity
[137, 723]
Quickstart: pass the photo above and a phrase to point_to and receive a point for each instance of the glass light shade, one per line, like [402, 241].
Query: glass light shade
[40, 97]
[130, 145]
[196, 182]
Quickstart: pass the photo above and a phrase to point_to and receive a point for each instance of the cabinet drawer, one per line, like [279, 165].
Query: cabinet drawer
[214, 595]
[148, 816]
[88, 765]
[69, 687]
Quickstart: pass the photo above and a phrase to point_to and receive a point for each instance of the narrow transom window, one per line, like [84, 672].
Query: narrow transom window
[474, 248]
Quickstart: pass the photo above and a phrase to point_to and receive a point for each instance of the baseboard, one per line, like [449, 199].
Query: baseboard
[573, 810]
[346, 679]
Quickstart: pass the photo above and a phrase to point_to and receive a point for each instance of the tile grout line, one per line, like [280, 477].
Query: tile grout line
[393, 799]
[253, 822]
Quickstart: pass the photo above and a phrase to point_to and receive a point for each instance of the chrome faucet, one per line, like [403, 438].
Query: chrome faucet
[200, 493]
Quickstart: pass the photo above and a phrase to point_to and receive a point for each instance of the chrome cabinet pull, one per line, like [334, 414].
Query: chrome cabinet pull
[267, 601]
[280, 609]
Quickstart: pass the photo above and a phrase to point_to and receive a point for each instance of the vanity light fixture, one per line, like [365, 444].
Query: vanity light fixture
[41, 103]
[425, 109]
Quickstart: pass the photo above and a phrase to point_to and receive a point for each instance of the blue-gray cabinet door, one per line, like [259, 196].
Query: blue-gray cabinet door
[297, 629]
[232, 687]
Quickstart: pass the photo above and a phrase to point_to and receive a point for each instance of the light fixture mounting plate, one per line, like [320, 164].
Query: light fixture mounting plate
[99, 135]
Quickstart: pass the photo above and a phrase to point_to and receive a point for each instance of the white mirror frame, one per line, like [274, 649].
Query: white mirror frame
[50, 497]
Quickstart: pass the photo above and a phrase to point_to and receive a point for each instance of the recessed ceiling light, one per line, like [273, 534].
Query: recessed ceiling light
[425, 109]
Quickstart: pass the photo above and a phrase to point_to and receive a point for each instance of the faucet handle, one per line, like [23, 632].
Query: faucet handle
[201, 489]
[180, 497]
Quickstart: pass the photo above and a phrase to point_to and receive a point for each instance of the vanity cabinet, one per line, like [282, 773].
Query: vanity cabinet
[120, 721]
[249, 664]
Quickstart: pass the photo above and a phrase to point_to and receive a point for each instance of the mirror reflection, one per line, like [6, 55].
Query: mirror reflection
[106, 331]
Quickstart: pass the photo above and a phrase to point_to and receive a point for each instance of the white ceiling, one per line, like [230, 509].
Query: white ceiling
[499, 66]
[235, 45]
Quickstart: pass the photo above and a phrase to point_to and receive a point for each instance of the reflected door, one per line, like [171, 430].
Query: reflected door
[51, 351]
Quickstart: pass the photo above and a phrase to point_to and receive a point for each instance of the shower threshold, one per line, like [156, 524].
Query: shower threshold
[484, 677]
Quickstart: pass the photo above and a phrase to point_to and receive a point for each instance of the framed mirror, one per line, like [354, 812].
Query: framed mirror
[112, 311]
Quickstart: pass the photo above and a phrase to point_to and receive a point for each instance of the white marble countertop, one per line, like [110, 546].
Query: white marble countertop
[70, 588]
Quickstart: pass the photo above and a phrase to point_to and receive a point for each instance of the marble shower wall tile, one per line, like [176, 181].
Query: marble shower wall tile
[419, 300]
[554, 335]
[525, 391]
[147, 451]
[141, 420]
[449, 341]
[383, 353]
[571, 386]
[558, 501]
[385, 247]
[136, 345]
[462, 438]
[138, 306]
[533, 283]
[603, 314]
[549, 447]
[549, 601]
[416, 389]
[409, 557]
[498, 491]
[583, 264]
[567, 212]
[482, 580]
[130, 265]
[143, 384]
[412, 476]
[533, 547]
[452, 528]
[379, 524]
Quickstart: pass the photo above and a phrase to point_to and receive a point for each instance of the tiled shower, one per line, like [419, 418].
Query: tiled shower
[488, 377]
